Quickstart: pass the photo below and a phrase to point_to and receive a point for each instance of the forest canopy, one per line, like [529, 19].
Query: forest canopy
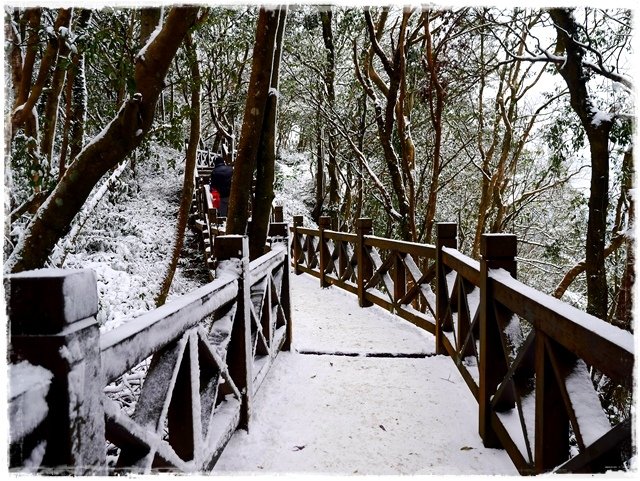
[502, 120]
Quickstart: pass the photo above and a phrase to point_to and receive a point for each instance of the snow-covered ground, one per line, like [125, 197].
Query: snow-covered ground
[128, 240]
[343, 415]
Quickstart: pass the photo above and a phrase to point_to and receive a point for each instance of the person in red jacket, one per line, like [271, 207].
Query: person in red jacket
[220, 181]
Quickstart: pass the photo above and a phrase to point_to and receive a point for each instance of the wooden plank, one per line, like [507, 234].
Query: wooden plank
[308, 232]
[493, 364]
[521, 464]
[463, 265]
[346, 285]
[596, 453]
[125, 346]
[224, 423]
[338, 236]
[417, 318]
[365, 267]
[379, 301]
[561, 323]
[466, 375]
[413, 248]
[552, 421]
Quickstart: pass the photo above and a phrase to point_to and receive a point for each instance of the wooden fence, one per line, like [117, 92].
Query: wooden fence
[205, 219]
[525, 356]
[191, 367]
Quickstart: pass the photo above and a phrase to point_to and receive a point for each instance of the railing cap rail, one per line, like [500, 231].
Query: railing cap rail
[564, 311]
[46, 301]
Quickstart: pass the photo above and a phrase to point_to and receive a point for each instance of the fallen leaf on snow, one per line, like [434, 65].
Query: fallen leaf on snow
[298, 448]
[382, 427]
[465, 448]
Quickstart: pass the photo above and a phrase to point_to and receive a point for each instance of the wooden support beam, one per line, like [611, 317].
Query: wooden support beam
[240, 350]
[298, 221]
[364, 227]
[552, 420]
[498, 251]
[324, 223]
[53, 325]
[447, 236]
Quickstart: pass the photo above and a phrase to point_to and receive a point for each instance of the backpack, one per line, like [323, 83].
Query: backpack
[215, 198]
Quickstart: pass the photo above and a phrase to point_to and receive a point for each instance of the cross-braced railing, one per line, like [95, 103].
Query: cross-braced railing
[188, 370]
[204, 216]
[396, 275]
[528, 358]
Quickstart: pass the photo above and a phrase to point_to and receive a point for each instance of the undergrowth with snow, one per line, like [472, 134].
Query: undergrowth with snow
[129, 238]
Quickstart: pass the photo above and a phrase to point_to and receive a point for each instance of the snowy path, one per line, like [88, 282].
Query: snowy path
[341, 415]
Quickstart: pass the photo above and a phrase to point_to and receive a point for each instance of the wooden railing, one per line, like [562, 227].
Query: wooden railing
[205, 219]
[191, 368]
[525, 356]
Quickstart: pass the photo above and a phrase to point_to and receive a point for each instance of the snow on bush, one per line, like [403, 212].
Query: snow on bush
[129, 238]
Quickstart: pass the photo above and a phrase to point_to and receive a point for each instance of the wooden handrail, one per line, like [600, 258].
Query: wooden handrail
[198, 386]
[601, 345]
[121, 348]
[474, 302]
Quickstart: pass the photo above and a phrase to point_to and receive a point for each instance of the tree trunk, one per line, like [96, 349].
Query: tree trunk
[436, 109]
[76, 93]
[31, 96]
[189, 171]
[386, 120]
[329, 81]
[266, 161]
[254, 118]
[149, 20]
[22, 70]
[76, 101]
[50, 117]
[597, 128]
[121, 136]
[317, 209]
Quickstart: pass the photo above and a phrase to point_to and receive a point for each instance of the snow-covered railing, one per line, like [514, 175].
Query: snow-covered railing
[393, 274]
[530, 360]
[163, 391]
[209, 225]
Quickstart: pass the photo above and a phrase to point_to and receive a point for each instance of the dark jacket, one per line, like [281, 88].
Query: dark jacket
[221, 179]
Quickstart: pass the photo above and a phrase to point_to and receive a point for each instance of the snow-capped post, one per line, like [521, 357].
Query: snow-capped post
[498, 251]
[53, 325]
[281, 230]
[240, 351]
[278, 214]
[447, 236]
[364, 227]
[297, 247]
[324, 223]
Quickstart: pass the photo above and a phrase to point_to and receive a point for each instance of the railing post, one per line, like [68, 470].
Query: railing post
[551, 419]
[297, 247]
[323, 223]
[364, 227]
[498, 251]
[52, 316]
[278, 214]
[399, 279]
[285, 301]
[447, 236]
[240, 350]
[281, 230]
